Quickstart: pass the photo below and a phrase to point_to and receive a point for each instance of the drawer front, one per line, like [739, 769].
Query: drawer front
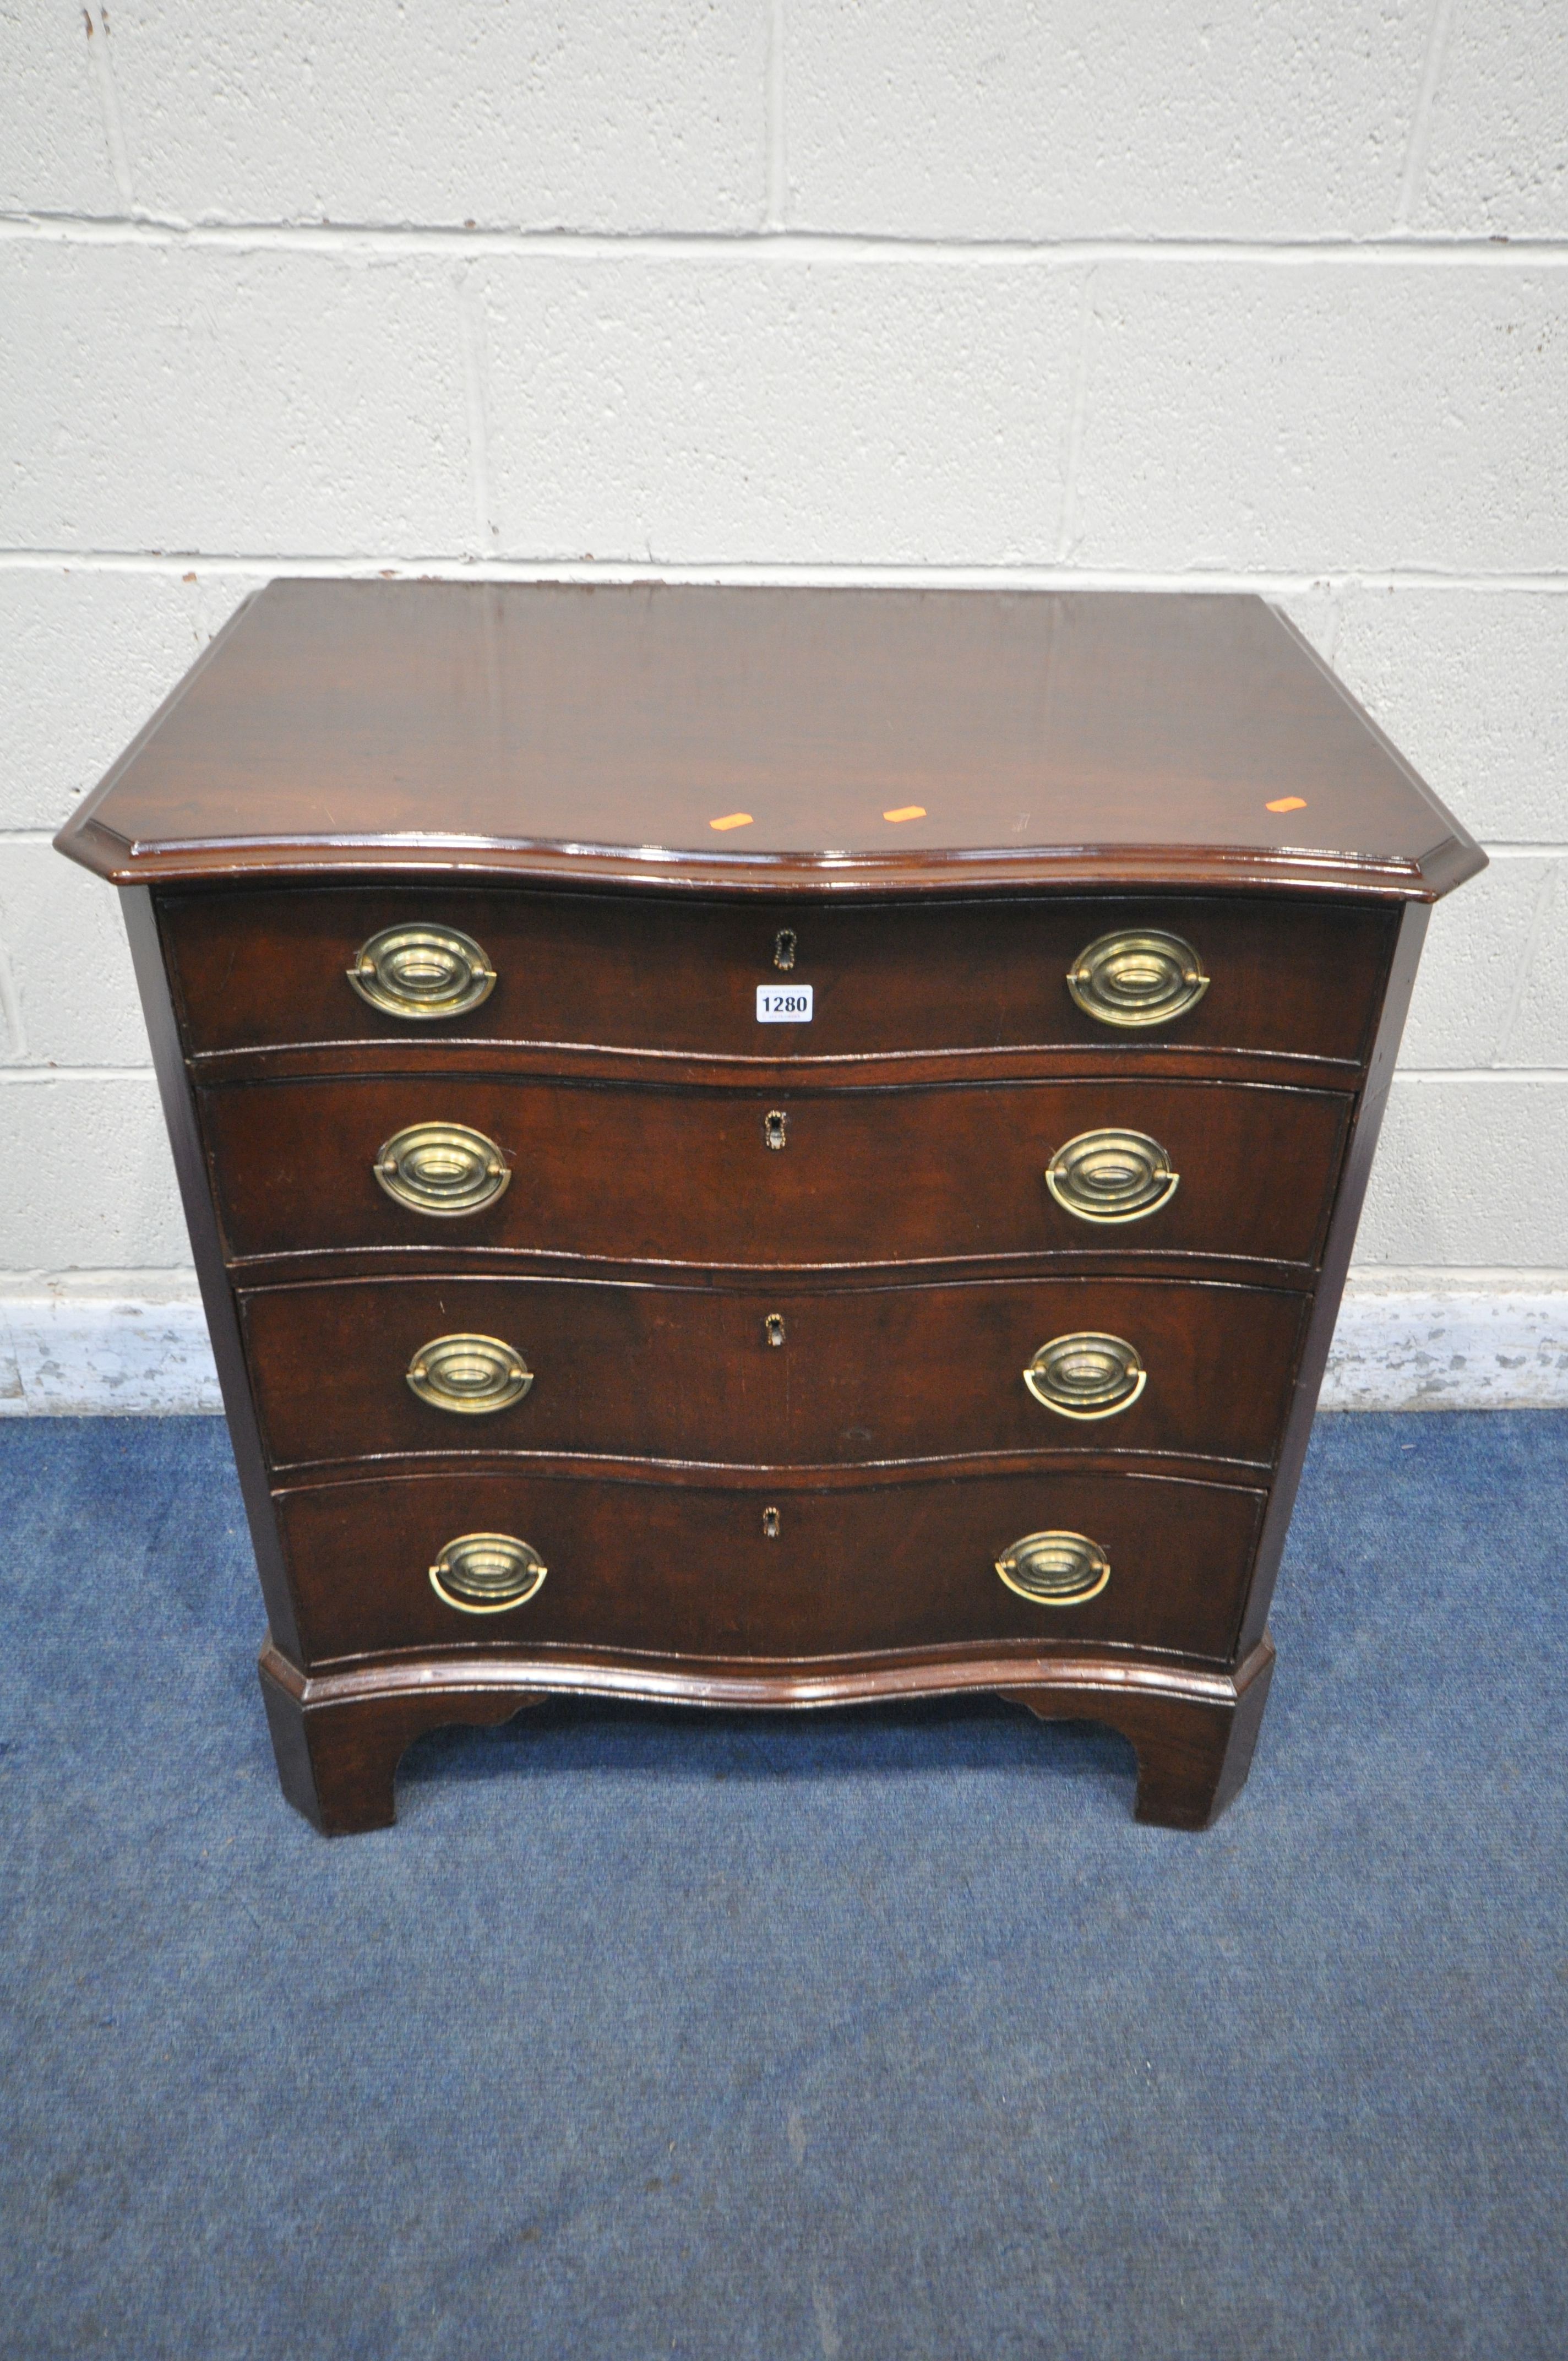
[270, 968]
[694, 1570]
[782, 1379]
[635, 1174]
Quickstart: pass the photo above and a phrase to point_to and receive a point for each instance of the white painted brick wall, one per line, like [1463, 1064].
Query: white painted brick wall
[599, 117]
[1021, 292]
[783, 411]
[1080, 120]
[1323, 417]
[197, 399]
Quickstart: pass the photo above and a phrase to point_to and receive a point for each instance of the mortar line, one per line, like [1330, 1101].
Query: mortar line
[1386, 249]
[103, 74]
[1534, 1076]
[1420, 138]
[1076, 419]
[1482, 1277]
[11, 1008]
[452, 565]
[473, 342]
[1339, 592]
[64, 1073]
[776, 206]
[1545, 895]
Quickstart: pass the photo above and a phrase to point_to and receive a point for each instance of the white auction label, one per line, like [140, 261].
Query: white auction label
[790, 1005]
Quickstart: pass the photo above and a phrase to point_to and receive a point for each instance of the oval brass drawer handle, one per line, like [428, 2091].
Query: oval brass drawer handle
[1112, 1176]
[421, 972]
[484, 1574]
[1086, 1376]
[442, 1168]
[470, 1375]
[1055, 1569]
[1137, 979]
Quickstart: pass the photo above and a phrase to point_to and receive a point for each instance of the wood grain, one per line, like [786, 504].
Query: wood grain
[687, 1573]
[862, 1376]
[1287, 979]
[681, 1176]
[595, 732]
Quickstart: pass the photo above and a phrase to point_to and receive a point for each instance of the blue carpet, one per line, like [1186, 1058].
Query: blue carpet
[876, 2035]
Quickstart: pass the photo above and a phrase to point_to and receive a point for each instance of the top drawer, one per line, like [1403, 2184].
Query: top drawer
[257, 969]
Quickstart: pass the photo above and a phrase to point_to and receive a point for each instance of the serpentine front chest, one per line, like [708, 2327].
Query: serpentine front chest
[768, 1147]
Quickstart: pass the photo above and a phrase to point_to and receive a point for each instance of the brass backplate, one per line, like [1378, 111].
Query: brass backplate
[486, 1573]
[1137, 978]
[470, 1375]
[1112, 1176]
[1087, 1374]
[1058, 1569]
[422, 972]
[444, 1169]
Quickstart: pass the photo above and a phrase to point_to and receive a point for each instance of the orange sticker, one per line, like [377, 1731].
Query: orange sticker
[1287, 803]
[732, 819]
[907, 811]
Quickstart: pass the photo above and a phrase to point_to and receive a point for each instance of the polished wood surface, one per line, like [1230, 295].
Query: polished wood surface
[860, 1376]
[1194, 1749]
[1337, 1248]
[1287, 979]
[600, 732]
[338, 1737]
[945, 797]
[688, 1572]
[865, 1178]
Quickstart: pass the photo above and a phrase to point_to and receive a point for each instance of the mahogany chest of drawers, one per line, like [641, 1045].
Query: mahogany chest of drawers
[768, 1147]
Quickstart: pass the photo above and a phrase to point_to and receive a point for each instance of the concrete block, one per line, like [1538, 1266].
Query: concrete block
[793, 413]
[54, 153]
[86, 1179]
[1472, 686]
[198, 397]
[1470, 1172]
[67, 994]
[85, 658]
[1011, 118]
[1497, 156]
[1483, 946]
[1324, 418]
[585, 115]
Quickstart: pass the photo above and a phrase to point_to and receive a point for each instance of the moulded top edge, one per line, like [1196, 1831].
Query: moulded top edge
[1077, 868]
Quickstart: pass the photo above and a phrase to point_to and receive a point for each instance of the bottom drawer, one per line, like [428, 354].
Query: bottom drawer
[698, 1571]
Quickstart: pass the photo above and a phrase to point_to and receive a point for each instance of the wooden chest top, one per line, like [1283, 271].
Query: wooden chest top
[830, 741]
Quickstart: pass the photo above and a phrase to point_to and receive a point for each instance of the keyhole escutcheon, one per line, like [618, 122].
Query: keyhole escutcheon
[775, 1127]
[773, 1328]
